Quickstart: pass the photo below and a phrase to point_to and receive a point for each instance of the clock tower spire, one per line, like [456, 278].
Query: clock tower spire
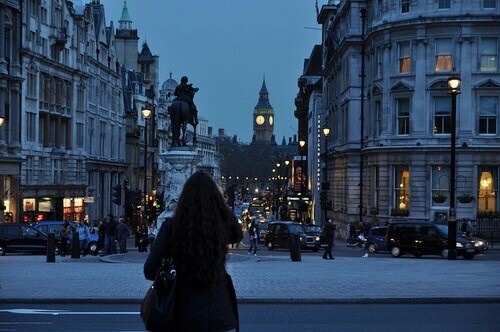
[263, 117]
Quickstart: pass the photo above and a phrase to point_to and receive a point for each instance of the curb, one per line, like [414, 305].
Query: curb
[138, 301]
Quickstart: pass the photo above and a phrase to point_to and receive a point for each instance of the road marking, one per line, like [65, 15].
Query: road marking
[56, 312]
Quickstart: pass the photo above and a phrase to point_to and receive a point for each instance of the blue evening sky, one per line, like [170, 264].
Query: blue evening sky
[226, 47]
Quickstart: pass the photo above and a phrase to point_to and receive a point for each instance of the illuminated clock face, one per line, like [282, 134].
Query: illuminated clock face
[271, 120]
[259, 120]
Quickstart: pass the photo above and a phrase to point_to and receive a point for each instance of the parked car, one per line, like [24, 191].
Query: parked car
[376, 239]
[425, 239]
[280, 234]
[55, 226]
[22, 238]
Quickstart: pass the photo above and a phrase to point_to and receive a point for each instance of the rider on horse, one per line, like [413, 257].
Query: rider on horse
[185, 92]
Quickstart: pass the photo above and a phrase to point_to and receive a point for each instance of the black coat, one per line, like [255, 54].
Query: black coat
[198, 309]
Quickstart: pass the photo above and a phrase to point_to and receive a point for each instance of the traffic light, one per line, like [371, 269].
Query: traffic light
[117, 194]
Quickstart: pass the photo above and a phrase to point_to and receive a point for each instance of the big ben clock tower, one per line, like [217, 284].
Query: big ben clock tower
[263, 118]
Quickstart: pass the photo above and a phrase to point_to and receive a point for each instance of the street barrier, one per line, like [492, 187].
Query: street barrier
[295, 253]
[51, 248]
[75, 245]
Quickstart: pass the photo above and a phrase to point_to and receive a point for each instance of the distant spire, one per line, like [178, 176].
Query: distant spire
[125, 21]
[264, 96]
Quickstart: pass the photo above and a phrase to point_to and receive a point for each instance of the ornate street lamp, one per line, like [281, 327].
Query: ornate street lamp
[146, 114]
[454, 89]
[325, 186]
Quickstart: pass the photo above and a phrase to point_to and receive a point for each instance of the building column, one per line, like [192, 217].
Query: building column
[3, 63]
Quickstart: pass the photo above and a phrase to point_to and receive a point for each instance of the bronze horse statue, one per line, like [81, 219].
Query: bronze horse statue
[180, 116]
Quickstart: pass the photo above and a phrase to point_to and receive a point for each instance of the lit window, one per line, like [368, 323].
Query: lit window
[488, 189]
[444, 60]
[442, 115]
[401, 188]
[488, 114]
[489, 54]
[404, 57]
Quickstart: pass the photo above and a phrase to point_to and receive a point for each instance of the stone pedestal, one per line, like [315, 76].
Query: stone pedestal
[178, 165]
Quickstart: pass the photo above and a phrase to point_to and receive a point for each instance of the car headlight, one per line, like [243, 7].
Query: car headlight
[459, 245]
[316, 238]
[479, 243]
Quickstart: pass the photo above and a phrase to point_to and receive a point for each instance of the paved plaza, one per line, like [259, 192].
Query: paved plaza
[262, 279]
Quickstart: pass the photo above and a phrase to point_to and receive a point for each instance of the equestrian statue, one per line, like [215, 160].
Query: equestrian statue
[183, 111]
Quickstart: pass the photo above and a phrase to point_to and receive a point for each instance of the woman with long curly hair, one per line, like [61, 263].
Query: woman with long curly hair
[197, 238]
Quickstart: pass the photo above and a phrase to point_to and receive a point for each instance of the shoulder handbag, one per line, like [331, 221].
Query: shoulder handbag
[158, 306]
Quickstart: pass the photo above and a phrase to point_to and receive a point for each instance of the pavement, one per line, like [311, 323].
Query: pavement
[262, 279]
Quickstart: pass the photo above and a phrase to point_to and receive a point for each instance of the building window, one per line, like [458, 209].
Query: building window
[378, 117]
[32, 83]
[404, 57]
[31, 126]
[488, 189]
[79, 135]
[405, 6]
[401, 188]
[489, 4]
[440, 185]
[444, 61]
[444, 4]
[80, 99]
[378, 64]
[488, 114]
[442, 115]
[489, 54]
[403, 111]
[346, 72]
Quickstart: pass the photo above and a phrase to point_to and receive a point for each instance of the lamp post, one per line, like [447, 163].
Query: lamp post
[146, 114]
[454, 90]
[278, 189]
[302, 143]
[325, 186]
[287, 176]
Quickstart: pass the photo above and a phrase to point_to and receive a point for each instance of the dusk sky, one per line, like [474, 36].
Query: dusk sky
[226, 47]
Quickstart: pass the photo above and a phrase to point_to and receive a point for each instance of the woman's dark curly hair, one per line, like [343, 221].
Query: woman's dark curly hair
[200, 231]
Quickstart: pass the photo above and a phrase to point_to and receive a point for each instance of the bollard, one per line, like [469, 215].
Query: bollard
[51, 248]
[75, 246]
[295, 253]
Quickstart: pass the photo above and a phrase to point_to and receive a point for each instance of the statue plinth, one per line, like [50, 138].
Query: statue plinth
[178, 165]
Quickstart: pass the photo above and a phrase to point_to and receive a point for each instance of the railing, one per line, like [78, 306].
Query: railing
[486, 228]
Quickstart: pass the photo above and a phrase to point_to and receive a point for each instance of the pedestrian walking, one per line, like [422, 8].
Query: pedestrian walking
[253, 233]
[196, 238]
[65, 233]
[83, 236]
[151, 234]
[143, 238]
[110, 236]
[329, 234]
[122, 232]
[101, 232]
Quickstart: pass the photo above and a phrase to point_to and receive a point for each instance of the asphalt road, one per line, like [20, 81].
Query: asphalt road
[266, 317]
[342, 250]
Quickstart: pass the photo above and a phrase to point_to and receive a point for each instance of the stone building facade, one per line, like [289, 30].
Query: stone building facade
[72, 119]
[386, 64]
[10, 109]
